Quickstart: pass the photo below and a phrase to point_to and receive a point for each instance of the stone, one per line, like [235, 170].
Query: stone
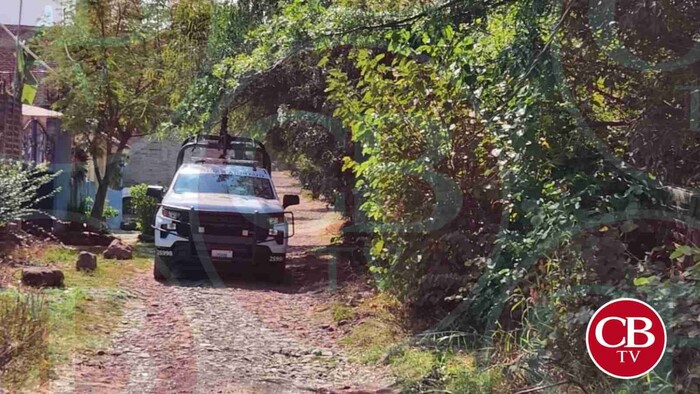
[118, 250]
[60, 226]
[86, 262]
[42, 277]
[74, 226]
[85, 238]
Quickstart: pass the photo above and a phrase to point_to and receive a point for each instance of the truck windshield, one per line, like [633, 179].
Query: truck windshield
[224, 184]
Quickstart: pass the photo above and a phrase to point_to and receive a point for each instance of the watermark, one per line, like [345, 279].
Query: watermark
[626, 338]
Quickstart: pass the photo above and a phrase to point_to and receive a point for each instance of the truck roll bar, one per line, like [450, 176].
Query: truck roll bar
[226, 143]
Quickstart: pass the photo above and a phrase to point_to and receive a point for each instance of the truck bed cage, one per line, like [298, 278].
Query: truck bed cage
[227, 143]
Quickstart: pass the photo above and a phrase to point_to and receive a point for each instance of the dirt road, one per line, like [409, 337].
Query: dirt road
[235, 336]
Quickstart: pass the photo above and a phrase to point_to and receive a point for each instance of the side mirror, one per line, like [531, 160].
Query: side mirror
[156, 192]
[290, 199]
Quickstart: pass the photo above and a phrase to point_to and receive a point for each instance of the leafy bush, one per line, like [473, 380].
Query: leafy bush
[144, 207]
[19, 186]
[108, 212]
[428, 184]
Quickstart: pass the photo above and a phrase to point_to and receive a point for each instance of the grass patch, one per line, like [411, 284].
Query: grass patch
[379, 329]
[78, 317]
[108, 273]
[413, 365]
[58, 254]
[381, 336]
[81, 319]
[24, 326]
[443, 370]
[341, 312]
[370, 340]
[462, 376]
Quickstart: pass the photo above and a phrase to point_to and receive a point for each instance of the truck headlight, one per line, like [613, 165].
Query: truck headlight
[171, 213]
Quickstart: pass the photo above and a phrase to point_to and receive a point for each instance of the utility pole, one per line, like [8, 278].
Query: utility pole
[17, 76]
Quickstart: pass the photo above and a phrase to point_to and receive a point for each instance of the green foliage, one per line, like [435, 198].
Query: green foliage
[341, 312]
[19, 185]
[422, 166]
[109, 64]
[197, 104]
[108, 212]
[145, 208]
[683, 252]
[423, 370]
[412, 365]
[489, 147]
[255, 49]
[372, 338]
[462, 376]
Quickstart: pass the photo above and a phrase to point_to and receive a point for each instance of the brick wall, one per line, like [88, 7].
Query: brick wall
[150, 162]
[10, 127]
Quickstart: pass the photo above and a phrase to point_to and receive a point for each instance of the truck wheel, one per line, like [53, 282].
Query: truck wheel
[277, 272]
[158, 275]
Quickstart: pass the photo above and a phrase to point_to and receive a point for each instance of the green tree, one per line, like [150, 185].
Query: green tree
[108, 57]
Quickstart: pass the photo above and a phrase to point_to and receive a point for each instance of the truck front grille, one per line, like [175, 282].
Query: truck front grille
[230, 224]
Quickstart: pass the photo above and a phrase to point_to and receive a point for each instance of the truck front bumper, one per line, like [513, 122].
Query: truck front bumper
[225, 245]
[187, 256]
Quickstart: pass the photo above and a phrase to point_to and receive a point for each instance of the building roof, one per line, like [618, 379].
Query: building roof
[38, 112]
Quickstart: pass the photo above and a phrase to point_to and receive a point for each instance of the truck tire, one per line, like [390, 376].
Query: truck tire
[158, 275]
[277, 272]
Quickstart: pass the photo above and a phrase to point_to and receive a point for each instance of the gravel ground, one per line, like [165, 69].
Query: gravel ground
[197, 338]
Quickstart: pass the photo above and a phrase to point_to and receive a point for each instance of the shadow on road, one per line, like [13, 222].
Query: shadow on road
[309, 269]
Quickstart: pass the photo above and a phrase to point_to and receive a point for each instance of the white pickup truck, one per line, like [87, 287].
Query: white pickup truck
[222, 212]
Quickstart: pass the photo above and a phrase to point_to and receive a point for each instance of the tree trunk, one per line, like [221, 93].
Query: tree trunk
[103, 183]
[101, 196]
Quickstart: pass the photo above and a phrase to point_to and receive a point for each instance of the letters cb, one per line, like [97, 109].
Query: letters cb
[626, 338]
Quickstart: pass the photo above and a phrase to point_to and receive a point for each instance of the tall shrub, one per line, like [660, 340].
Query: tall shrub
[144, 207]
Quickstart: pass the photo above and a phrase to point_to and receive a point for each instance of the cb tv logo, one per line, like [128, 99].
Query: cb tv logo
[626, 338]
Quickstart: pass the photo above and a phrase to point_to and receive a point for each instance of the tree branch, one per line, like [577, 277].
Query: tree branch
[398, 22]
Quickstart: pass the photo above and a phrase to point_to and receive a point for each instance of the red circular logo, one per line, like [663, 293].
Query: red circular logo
[626, 338]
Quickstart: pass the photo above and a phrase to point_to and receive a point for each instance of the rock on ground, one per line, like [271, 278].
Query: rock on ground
[86, 262]
[118, 250]
[42, 277]
[84, 238]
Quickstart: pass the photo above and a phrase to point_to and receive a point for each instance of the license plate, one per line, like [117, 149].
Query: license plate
[222, 254]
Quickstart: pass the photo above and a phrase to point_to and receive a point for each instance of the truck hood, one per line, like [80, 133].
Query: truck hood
[222, 203]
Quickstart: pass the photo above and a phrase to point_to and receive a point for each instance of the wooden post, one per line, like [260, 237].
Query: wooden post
[18, 82]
